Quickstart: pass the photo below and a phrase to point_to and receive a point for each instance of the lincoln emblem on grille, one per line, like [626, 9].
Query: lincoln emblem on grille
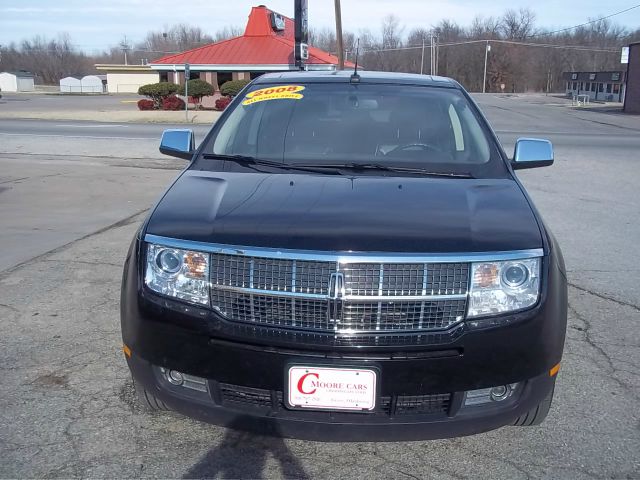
[336, 292]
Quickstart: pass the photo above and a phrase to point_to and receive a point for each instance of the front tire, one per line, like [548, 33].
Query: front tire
[148, 401]
[536, 415]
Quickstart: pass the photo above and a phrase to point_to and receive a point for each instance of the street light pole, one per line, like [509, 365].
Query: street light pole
[486, 55]
[437, 52]
[431, 53]
[339, 35]
[422, 58]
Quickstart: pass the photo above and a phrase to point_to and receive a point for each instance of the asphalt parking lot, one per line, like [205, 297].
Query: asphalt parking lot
[73, 193]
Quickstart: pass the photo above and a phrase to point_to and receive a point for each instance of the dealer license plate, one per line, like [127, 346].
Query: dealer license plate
[331, 388]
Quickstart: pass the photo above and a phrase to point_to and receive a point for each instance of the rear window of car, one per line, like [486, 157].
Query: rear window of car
[419, 126]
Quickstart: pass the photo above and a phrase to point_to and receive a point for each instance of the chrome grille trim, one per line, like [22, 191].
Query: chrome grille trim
[340, 293]
[344, 257]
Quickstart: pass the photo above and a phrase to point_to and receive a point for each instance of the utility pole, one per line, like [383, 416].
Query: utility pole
[339, 35]
[422, 58]
[434, 53]
[548, 81]
[125, 47]
[484, 77]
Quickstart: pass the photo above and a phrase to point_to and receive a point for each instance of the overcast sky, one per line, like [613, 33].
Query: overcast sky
[99, 24]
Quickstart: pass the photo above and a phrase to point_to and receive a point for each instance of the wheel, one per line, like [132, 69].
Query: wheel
[536, 415]
[148, 401]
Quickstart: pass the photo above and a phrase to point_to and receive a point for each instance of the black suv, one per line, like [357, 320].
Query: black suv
[347, 257]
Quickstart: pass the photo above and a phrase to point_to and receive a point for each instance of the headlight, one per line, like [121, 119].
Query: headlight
[183, 274]
[499, 287]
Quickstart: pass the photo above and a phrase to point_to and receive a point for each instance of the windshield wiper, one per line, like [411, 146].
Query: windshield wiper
[251, 161]
[387, 168]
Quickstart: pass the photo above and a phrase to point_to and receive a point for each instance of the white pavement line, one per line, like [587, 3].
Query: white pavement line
[92, 126]
[73, 136]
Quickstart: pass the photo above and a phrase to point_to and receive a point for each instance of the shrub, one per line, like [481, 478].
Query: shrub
[222, 103]
[144, 104]
[232, 87]
[198, 89]
[172, 103]
[158, 91]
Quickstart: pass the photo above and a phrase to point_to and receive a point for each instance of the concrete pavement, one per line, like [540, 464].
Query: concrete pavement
[104, 108]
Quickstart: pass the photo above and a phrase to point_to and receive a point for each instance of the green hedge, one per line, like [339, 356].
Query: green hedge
[198, 89]
[158, 91]
[233, 87]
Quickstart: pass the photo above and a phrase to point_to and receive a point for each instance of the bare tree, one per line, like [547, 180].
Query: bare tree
[461, 55]
[517, 25]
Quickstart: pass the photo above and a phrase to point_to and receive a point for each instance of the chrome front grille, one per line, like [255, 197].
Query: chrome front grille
[338, 296]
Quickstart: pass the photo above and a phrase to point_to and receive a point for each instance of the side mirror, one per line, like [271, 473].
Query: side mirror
[178, 143]
[532, 153]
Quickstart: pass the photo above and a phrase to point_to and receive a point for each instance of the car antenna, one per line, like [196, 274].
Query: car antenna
[355, 78]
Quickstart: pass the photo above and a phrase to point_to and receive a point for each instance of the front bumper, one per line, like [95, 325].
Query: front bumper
[263, 411]
[165, 333]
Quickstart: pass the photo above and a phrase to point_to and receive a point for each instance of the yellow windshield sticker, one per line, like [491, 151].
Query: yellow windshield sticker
[274, 93]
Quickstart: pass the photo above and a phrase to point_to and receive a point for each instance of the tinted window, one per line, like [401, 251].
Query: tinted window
[330, 123]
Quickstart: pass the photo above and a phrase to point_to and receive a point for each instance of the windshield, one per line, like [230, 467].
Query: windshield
[411, 126]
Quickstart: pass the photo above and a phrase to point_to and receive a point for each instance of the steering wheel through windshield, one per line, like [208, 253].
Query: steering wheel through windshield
[414, 146]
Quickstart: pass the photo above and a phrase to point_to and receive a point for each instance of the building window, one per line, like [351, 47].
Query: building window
[593, 86]
[224, 77]
[608, 88]
[164, 76]
[601, 87]
[588, 87]
[575, 84]
[616, 88]
[592, 76]
[615, 76]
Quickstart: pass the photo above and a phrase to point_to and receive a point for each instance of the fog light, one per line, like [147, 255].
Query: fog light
[175, 377]
[500, 393]
[489, 395]
[183, 380]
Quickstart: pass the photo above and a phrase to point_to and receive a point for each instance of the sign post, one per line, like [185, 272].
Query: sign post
[187, 75]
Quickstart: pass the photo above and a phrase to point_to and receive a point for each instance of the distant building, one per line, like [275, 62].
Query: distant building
[127, 78]
[266, 46]
[632, 97]
[21, 81]
[604, 86]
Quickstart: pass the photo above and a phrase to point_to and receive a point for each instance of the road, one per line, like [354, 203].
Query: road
[70, 204]
[29, 102]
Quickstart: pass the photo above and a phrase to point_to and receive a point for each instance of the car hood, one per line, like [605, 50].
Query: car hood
[342, 213]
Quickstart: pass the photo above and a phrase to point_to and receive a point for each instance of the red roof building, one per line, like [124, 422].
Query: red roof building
[266, 46]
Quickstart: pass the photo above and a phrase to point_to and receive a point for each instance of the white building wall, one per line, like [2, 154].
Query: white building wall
[70, 85]
[127, 82]
[25, 84]
[91, 84]
[8, 82]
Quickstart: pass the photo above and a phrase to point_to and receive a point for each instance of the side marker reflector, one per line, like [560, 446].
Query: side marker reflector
[127, 351]
[554, 371]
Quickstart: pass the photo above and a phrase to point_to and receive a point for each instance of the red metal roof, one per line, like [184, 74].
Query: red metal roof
[260, 45]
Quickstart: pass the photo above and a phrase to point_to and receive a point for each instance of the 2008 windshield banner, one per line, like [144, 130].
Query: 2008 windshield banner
[274, 93]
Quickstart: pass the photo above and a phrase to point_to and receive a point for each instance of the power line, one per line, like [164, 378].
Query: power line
[512, 42]
[582, 24]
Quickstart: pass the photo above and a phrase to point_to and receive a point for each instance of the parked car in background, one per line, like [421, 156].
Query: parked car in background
[349, 257]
